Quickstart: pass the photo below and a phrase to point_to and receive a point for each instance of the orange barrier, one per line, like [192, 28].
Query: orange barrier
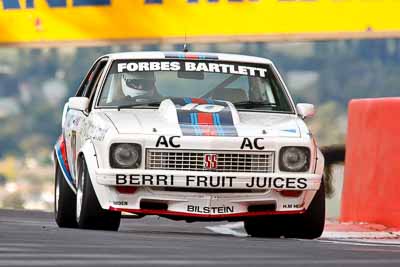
[371, 189]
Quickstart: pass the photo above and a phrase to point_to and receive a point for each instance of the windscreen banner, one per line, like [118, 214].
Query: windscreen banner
[157, 21]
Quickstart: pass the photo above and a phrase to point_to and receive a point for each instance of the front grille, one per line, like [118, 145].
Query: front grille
[226, 161]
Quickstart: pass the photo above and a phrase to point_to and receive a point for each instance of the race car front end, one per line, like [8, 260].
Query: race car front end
[208, 178]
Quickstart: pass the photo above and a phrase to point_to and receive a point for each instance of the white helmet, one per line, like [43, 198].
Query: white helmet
[138, 83]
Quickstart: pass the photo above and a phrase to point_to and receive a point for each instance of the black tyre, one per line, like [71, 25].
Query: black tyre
[89, 213]
[312, 222]
[308, 225]
[270, 226]
[64, 201]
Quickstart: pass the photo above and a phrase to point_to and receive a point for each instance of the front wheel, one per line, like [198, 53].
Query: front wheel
[64, 200]
[89, 213]
[308, 225]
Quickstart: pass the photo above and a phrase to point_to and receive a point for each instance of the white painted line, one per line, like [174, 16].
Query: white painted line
[371, 238]
[358, 242]
[361, 235]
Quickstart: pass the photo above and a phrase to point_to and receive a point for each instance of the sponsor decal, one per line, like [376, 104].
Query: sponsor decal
[292, 206]
[30, 4]
[171, 142]
[210, 181]
[120, 203]
[248, 143]
[193, 120]
[210, 210]
[90, 130]
[145, 179]
[76, 121]
[149, 66]
[73, 121]
[203, 181]
[97, 133]
[278, 182]
[191, 66]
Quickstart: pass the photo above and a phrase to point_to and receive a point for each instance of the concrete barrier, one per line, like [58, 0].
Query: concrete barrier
[371, 189]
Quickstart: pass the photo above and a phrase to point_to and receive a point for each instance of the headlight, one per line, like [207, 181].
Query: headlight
[294, 159]
[125, 156]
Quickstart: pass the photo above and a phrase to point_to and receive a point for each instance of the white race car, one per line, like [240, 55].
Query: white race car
[188, 136]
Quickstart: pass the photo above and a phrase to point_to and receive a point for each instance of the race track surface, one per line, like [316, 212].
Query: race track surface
[31, 238]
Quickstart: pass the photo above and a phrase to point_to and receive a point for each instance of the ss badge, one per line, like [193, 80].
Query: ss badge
[210, 161]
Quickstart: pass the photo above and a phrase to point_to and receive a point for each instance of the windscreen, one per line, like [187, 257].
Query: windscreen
[247, 86]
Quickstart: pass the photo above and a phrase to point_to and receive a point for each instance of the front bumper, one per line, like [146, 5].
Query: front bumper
[206, 195]
[208, 206]
[207, 217]
[195, 179]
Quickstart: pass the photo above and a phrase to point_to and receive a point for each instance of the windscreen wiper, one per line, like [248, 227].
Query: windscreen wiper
[151, 104]
[253, 104]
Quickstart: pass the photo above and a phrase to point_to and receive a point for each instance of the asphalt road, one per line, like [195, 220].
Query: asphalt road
[32, 239]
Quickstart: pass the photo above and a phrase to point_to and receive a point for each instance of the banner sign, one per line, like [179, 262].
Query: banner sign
[53, 21]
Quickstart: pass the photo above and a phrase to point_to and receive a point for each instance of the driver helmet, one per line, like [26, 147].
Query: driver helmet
[138, 83]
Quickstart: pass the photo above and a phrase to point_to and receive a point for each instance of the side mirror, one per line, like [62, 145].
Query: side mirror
[78, 103]
[305, 110]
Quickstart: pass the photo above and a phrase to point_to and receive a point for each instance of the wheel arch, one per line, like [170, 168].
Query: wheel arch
[88, 154]
[61, 161]
[319, 169]
[320, 162]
